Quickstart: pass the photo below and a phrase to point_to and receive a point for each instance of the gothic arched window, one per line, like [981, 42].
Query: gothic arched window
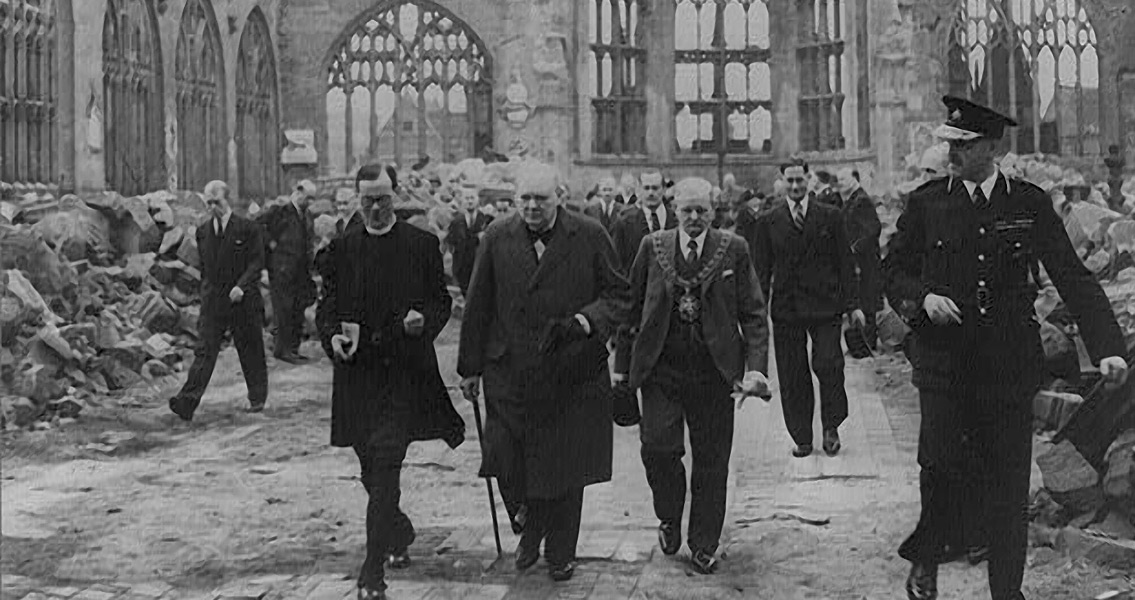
[617, 63]
[257, 129]
[821, 60]
[28, 92]
[1036, 61]
[202, 147]
[133, 128]
[404, 82]
[722, 81]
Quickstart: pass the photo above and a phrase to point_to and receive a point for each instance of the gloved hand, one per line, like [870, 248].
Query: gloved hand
[560, 332]
[624, 404]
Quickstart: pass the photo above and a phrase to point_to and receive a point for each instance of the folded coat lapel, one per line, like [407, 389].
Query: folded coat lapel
[558, 246]
[519, 250]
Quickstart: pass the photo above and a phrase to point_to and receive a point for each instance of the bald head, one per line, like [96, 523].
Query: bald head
[846, 181]
[536, 195]
[692, 203]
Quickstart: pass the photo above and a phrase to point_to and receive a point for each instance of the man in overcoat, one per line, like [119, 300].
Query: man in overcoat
[384, 303]
[958, 270]
[232, 258]
[290, 239]
[700, 332]
[863, 230]
[547, 293]
[465, 234]
[805, 267]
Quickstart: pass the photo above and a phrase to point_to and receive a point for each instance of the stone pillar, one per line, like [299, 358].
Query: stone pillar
[785, 77]
[660, 81]
[65, 114]
[890, 117]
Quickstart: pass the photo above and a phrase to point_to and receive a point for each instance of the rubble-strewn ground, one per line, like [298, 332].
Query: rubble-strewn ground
[242, 505]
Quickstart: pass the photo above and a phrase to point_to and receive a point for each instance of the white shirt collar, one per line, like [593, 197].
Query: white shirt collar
[987, 185]
[803, 205]
[224, 220]
[384, 230]
[684, 241]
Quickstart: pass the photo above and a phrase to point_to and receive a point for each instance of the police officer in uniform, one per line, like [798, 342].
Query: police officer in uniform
[959, 269]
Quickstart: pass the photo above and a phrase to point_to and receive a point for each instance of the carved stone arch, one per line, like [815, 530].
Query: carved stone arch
[29, 92]
[406, 79]
[257, 111]
[199, 74]
[132, 112]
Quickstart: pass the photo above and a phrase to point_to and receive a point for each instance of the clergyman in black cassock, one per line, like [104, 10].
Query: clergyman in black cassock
[232, 258]
[958, 269]
[387, 279]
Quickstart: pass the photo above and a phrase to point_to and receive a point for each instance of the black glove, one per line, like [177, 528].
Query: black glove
[624, 405]
[559, 333]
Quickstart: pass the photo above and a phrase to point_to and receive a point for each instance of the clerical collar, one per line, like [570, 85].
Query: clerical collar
[384, 230]
[298, 207]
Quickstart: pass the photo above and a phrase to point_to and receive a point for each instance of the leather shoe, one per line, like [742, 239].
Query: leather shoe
[519, 520]
[922, 583]
[831, 442]
[254, 408]
[527, 552]
[802, 450]
[669, 537]
[704, 562]
[179, 409]
[294, 359]
[400, 559]
[371, 594]
[561, 572]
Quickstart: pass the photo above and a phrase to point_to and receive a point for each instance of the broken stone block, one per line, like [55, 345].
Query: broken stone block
[49, 335]
[160, 209]
[189, 317]
[155, 369]
[166, 272]
[20, 411]
[1060, 355]
[157, 347]
[23, 250]
[138, 267]
[1119, 478]
[118, 377]
[156, 313]
[110, 203]
[1054, 409]
[138, 231]
[1070, 478]
[9, 211]
[21, 288]
[187, 252]
[1116, 554]
[78, 233]
[171, 241]
[38, 382]
[1115, 525]
[87, 332]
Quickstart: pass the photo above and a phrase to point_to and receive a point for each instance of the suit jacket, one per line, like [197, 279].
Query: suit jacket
[566, 428]
[940, 247]
[595, 211]
[354, 222]
[463, 241]
[631, 227]
[390, 369]
[863, 230]
[289, 238]
[807, 275]
[734, 321]
[234, 259]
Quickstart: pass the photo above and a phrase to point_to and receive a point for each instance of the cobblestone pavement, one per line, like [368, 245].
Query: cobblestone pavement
[819, 527]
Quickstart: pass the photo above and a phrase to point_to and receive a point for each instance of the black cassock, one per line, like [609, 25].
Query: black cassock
[390, 393]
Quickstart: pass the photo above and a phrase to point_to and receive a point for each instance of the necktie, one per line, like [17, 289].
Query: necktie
[655, 224]
[217, 226]
[979, 199]
[798, 216]
[341, 225]
[692, 255]
[540, 241]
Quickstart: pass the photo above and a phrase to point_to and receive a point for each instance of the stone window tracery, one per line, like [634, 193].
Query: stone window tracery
[722, 80]
[1037, 61]
[408, 81]
[617, 63]
[820, 56]
[201, 142]
[133, 128]
[28, 92]
[257, 125]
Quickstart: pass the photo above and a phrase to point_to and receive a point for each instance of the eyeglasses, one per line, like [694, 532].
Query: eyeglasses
[537, 198]
[373, 199]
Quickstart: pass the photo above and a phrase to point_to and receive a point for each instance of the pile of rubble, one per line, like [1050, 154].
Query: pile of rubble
[100, 294]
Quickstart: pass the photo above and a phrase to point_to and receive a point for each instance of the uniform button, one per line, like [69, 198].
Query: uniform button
[1018, 244]
[981, 283]
[982, 311]
[981, 231]
[981, 257]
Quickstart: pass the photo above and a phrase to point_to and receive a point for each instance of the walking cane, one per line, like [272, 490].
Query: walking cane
[488, 480]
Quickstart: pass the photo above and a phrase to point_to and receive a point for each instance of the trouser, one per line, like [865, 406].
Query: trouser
[388, 529]
[797, 397]
[975, 451]
[668, 405]
[246, 324]
[553, 521]
[287, 311]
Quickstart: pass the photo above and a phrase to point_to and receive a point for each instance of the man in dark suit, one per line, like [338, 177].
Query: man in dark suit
[863, 230]
[958, 269]
[546, 295]
[635, 222]
[700, 332]
[465, 232]
[605, 208]
[347, 207]
[384, 304]
[232, 257]
[804, 265]
[290, 238]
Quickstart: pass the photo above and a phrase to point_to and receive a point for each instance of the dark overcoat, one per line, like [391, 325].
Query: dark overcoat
[556, 408]
[391, 374]
[288, 244]
[463, 241]
[863, 230]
